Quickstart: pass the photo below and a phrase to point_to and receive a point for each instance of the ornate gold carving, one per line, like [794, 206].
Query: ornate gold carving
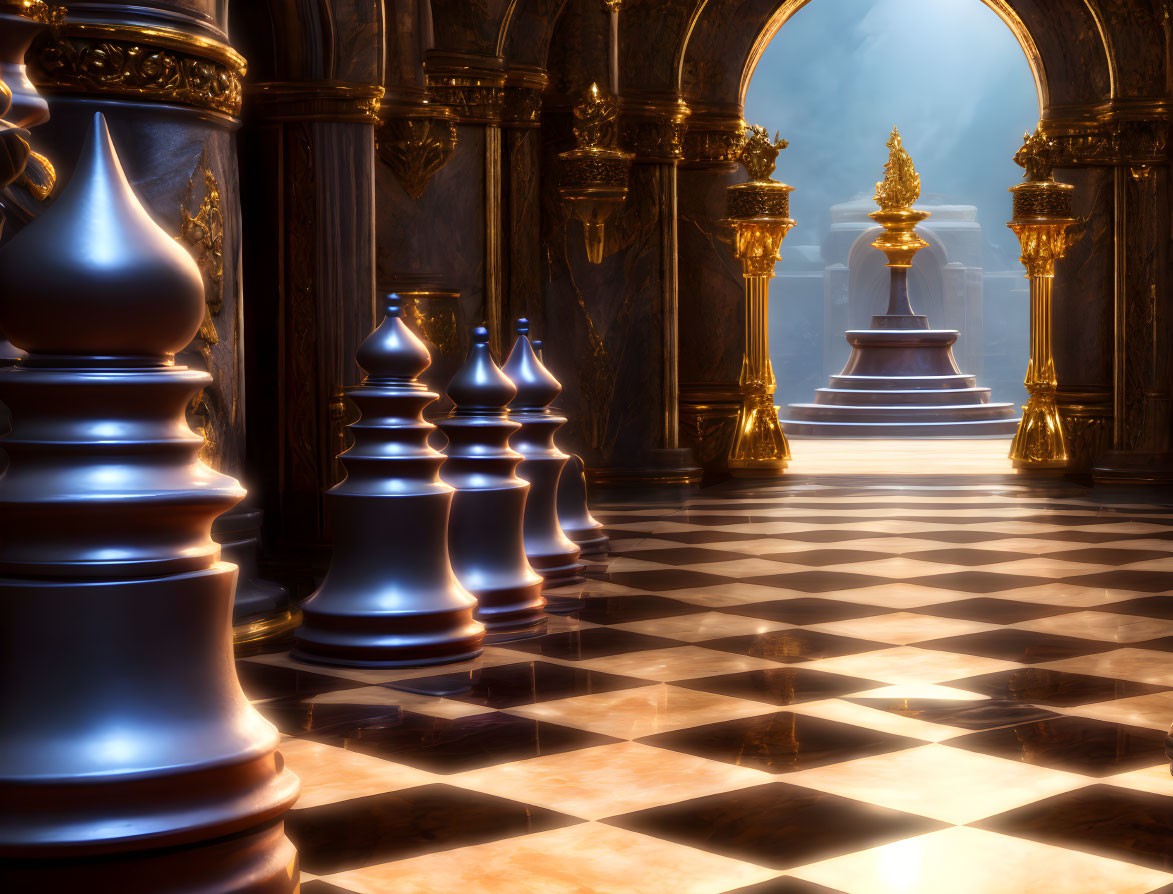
[900, 188]
[708, 417]
[474, 99]
[759, 154]
[594, 175]
[1045, 230]
[38, 10]
[713, 146]
[204, 232]
[613, 5]
[416, 147]
[524, 86]
[895, 195]
[1087, 431]
[315, 101]
[141, 63]
[39, 177]
[436, 316]
[1123, 131]
[653, 127]
[758, 244]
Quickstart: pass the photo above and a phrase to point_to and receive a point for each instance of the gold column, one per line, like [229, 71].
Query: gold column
[1045, 229]
[759, 212]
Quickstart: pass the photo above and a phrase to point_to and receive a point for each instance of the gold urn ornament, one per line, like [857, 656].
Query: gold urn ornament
[759, 213]
[594, 174]
[1046, 227]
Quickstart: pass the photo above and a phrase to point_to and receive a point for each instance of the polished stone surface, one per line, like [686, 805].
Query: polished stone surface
[823, 685]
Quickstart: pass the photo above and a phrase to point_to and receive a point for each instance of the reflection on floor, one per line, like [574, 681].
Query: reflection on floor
[945, 685]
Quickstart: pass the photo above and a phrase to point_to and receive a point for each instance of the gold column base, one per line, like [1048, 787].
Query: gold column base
[1039, 442]
[267, 627]
[760, 448]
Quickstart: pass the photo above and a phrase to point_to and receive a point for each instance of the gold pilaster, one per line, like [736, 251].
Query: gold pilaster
[1045, 229]
[759, 212]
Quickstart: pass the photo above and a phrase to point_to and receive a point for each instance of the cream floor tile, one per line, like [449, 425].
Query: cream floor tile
[1065, 594]
[747, 547]
[901, 568]
[908, 664]
[944, 783]
[594, 588]
[330, 774]
[624, 564]
[408, 701]
[922, 690]
[1163, 565]
[1102, 626]
[491, 657]
[1154, 711]
[633, 713]
[1040, 567]
[609, 780]
[738, 593]
[891, 546]
[875, 719]
[1151, 779]
[681, 663]
[972, 861]
[707, 625]
[902, 628]
[623, 546]
[895, 595]
[588, 858]
[750, 568]
[1139, 665]
[655, 527]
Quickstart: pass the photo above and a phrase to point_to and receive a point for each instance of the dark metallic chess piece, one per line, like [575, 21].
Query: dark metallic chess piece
[574, 513]
[485, 533]
[262, 608]
[553, 555]
[130, 760]
[390, 598]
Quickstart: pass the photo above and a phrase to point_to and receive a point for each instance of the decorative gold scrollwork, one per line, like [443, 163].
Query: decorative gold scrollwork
[416, 147]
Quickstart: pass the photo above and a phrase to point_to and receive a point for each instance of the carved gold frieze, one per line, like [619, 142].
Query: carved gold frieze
[523, 96]
[473, 98]
[416, 146]
[1125, 132]
[315, 101]
[139, 63]
[653, 128]
[38, 10]
[708, 417]
[713, 146]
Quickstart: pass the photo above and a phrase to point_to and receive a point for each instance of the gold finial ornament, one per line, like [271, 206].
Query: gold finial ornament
[1046, 227]
[759, 154]
[759, 213]
[896, 194]
[594, 175]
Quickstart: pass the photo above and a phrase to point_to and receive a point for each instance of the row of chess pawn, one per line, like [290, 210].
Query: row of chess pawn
[436, 553]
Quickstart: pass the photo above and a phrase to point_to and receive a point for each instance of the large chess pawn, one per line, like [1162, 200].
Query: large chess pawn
[573, 512]
[485, 533]
[390, 598]
[553, 555]
[130, 759]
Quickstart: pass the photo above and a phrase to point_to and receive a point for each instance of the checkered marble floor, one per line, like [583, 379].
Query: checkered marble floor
[949, 685]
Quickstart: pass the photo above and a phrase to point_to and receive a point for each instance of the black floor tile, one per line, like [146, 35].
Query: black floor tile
[1146, 607]
[295, 717]
[788, 885]
[317, 886]
[510, 685]
[993, 611]
[825, 535]
[970, 557]
[444, 745]
[1043, 686]
[1123, 579]
[818, 581]
[978, 581]
[947, 535]
[261, 681]
[776, 825]
[625, 609]
[591, 642]
[1021, 646]
[780, 685]
[792, 646]
[1107, 555]
[1075, 744]
[395, 826]
[780, 743]
[979, 714]
[658, 581]
[1107, 820]
[806, 610]
[685, 555]
[695, 537]
[820, 558]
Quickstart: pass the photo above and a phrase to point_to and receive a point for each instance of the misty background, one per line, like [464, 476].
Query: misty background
[834, 80]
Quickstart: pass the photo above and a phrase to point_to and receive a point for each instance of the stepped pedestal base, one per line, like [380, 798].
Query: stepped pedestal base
[901, 383]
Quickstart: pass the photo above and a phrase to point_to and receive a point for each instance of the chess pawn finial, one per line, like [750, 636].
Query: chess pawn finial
[485, 532]
[574, 513]
[123, 729]
[552, 554]
[390, 598]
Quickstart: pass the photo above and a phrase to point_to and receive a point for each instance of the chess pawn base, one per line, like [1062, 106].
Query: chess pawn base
[390, 598]
[551, 553]
[151, 754]
[574, 513]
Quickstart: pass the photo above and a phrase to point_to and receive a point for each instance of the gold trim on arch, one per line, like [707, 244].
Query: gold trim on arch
[1000, 7]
